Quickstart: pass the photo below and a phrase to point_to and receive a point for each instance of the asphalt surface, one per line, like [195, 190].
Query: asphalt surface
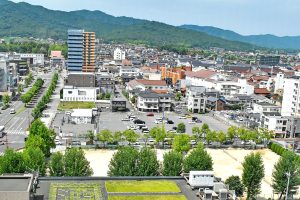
[17, 124]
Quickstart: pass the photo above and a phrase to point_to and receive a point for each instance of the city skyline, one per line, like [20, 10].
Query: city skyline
[244, 17]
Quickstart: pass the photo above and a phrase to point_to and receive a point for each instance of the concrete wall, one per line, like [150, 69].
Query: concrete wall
[13, 195]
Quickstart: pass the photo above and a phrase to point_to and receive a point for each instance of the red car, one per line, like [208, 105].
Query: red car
[150, 114]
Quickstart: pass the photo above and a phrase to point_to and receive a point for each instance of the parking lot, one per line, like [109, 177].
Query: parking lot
[113, 121]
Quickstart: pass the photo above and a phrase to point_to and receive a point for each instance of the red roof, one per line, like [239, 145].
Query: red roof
[261, 91]
[152, 82]
[201, 74]
[160, 91]
[297, 68]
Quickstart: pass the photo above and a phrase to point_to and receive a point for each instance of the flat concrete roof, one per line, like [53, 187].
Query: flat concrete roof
[13, 184]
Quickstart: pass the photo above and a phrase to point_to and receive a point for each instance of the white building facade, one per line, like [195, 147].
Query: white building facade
[71, 93]
[196, 99]
[291, 97]
[3, 76]
[119, 54]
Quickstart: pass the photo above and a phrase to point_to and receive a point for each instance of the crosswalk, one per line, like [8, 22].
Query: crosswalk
[15, 132]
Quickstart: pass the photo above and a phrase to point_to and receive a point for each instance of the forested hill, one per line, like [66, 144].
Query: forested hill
[25, 20]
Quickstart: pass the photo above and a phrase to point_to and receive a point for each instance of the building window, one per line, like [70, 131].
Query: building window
[70, 92]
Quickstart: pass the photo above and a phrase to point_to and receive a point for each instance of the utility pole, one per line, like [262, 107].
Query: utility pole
[288, 174]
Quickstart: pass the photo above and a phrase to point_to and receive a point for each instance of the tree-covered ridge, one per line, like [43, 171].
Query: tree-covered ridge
[25, 20]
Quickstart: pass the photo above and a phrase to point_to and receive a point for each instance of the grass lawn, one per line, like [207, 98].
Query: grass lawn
[63, 105]
[141, 186]
[73, 191]
[163, 197]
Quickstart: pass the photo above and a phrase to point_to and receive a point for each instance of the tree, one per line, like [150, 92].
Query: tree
[197, 133]
[232, 132]
[133, 99]
[182, 143]
[234, 183]
[172, 164]
[159, 134]
[253, 173]
[90, 137]
[76, 164]
[36, 141]
[34, 160]
[123, 162]
[118, 136]
[204, 129]
[105, 136]
[147, 163]
[181, 128]
[56, 165]
[220, 137]
[6, 99]
[198, 160]
[265, 135]
[178, 96]
[287, 163]
[131, 136]
[20, 89]
[12, 162]
[38, 128]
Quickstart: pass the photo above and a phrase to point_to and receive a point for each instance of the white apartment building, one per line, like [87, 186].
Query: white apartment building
[291, 97]
[148, 101]
[196, 99]
[265, 108]
[213, 80]
[71, 93]
[119, 54]
[275, 123]
[279, 82]
[147, 85]
[229, 88]
[3, 76]
[35, 59]
[129, 71]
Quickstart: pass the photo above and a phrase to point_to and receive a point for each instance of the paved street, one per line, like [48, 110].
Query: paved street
[17, 124]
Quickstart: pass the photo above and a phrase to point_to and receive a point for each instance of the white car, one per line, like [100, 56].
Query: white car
[182, 117]
[157, 122]
[192, 122]
[126, 119]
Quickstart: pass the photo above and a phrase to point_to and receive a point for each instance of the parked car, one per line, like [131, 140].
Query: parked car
[170, 122]
[150, 114]
[126, 119]
[182, 117]
[192, 122]
[138, 121]
[193, 142]
[12, 111]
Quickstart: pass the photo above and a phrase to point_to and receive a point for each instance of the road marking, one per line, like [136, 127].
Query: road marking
[15, 132]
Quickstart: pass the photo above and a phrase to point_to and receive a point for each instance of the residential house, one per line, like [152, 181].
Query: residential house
[196, 99]
[143, 85]
[265, 108]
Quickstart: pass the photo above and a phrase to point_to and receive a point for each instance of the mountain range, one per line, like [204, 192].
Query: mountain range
[26, 20]
[268, 40]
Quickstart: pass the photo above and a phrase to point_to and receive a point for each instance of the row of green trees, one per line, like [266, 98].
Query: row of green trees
[38, 110]
[27, 97]
[28, 80]
[36, 154]
[128, 161]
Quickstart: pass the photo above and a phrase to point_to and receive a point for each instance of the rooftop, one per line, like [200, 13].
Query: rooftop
[13, 183]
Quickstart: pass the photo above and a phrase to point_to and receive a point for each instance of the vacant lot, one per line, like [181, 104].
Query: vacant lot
[75, 191]
[75, 105]
[141, 186]
[156, 197]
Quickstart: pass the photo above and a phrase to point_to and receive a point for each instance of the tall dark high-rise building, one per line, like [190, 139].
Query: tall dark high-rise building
[81, 51]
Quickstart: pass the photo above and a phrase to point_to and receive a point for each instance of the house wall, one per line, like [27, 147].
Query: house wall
[79, 94]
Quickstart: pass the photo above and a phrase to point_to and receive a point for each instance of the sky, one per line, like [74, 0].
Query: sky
[247, 17]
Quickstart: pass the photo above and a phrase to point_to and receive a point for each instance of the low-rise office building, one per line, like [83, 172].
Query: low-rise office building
[196, 99]
[118, 104]
[82, 116]
[71, 93]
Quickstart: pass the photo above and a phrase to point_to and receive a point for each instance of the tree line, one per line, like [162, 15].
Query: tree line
[36, 156]
[38, 110]
[27, 97]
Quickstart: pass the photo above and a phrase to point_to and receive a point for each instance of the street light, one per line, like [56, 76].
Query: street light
[288, 174]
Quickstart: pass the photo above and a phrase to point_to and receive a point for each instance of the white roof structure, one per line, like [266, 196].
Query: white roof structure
[82, 113]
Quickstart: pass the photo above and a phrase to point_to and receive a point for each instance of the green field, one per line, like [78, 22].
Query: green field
[141, 186]
[74, 191]
[153, 197]
[75, 105]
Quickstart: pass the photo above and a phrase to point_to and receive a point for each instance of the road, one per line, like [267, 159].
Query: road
[17, 124]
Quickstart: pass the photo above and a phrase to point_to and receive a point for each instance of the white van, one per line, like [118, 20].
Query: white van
[12, 111]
